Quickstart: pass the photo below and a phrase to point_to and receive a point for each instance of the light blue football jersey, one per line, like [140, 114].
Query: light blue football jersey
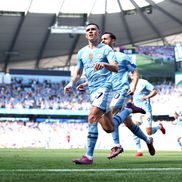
[143, 88]
[88, 57]
[120, 80]
[179, 121]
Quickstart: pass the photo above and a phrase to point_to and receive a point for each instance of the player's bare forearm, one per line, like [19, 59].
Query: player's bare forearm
[112, 66]
[135, 80]
[74, 79]
[152, 93]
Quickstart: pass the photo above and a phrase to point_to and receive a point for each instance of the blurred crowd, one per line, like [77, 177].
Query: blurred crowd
[164, 52]
[18, 134]
[34, 94]
[67, 135]
[168, 99]
[46, 94]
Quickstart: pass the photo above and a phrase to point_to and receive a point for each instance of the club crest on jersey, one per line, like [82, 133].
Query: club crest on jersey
[91, 56]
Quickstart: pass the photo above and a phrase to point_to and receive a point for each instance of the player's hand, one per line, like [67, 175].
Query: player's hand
[99, 65]
[80, 87]
[143, 98]
[130, 92]
[68, 87]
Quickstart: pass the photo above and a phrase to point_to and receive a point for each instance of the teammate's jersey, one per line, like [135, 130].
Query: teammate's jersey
[125, 65]
[88, 57]
[179, 121]
[143, 88]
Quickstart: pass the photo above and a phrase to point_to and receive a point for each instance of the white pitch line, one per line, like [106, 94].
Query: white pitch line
[90, 170]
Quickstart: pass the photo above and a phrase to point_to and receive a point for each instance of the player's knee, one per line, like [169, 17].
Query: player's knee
[127, 123]
[109, 130]
[92, 118]
[149, 132]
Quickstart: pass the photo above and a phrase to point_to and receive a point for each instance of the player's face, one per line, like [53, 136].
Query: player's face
[106, 39]
[92, 32]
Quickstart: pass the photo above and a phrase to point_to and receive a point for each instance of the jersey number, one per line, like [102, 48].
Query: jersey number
[116, 96]
[99, 94]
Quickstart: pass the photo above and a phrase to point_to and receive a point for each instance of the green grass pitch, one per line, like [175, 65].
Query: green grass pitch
[30, 165]
[153, 68]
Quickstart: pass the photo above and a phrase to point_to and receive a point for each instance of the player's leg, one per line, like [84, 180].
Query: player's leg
[100, 110]
[117, 147]
[107, 122]
[92, 138]
[105, 119]
[117, 104]
[150, 129]
[138, 146]
[118, 119]
[137, 119]
[118, 101]
[135, 129]
[91, 142]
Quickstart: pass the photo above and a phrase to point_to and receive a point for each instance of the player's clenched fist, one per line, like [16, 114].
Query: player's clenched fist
[99, 65]
[67, 87]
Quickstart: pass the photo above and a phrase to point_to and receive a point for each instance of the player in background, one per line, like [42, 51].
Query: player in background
[120, 87]
[178, 122]
[141, 97]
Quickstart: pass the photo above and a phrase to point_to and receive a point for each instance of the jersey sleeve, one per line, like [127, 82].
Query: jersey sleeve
[149, 86]
[110, 54]
[129, 63]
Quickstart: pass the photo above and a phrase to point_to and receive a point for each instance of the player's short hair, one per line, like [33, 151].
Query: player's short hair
[93, 24]
[111, 35]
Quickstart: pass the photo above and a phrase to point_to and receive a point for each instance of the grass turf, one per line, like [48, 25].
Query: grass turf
[56, 165]
[150, 68]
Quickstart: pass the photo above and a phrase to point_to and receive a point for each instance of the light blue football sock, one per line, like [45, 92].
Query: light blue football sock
[155, 129]
[137, 143]
[92, 138]
[135, 129]
[119, 119]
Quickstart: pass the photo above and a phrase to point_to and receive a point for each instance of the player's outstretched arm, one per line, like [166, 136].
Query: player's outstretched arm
[135, 75]
[74, 79]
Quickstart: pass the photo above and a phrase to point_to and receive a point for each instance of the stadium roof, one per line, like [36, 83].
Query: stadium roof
[27, 39]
